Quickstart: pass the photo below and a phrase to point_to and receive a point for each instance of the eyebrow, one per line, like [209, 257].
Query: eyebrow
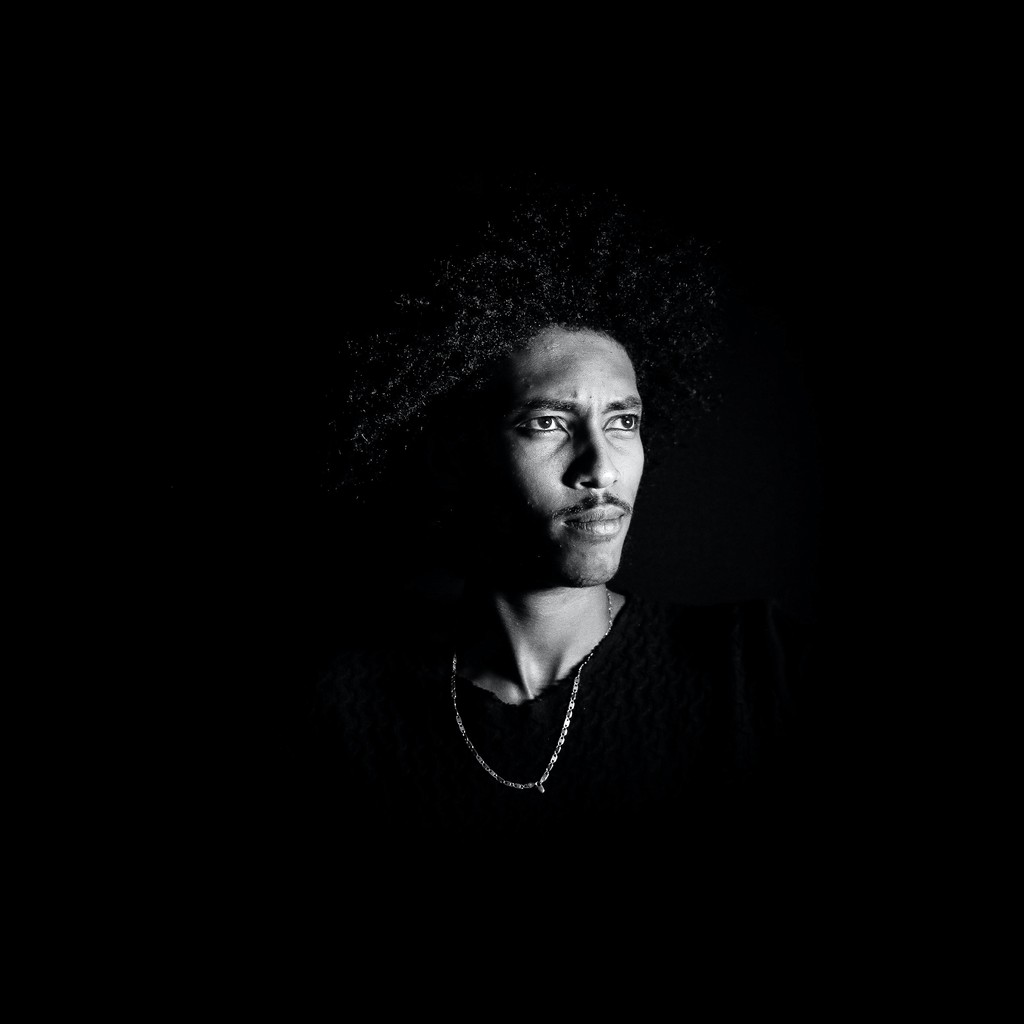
[561, 405]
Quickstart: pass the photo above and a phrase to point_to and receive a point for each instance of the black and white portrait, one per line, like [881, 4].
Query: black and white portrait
[515, 521]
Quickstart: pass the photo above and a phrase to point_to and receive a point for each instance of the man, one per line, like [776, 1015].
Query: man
[507, 422]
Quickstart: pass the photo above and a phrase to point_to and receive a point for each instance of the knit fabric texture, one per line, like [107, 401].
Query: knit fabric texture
[682, 713]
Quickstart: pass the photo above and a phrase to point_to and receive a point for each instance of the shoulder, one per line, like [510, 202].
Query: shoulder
[757, 645]
[387, 644]
[735, 624]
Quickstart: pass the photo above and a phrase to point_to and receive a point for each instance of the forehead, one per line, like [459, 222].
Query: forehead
[569, 364]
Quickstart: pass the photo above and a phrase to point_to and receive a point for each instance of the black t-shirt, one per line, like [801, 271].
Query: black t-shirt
[685, 717]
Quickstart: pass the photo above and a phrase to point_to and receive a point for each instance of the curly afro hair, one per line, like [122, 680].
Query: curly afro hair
[560, 257]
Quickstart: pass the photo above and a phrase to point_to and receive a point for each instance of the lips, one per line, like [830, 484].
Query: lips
[599, 522]
[595, 515]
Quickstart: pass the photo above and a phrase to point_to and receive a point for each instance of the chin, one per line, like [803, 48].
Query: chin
[583, 581]
[529, 566]
[589, 573]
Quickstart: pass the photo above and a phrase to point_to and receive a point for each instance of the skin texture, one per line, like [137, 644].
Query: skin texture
[565, 461]
[570, 437]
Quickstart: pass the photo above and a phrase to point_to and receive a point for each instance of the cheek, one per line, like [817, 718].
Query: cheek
[533, 475]
[630, 463]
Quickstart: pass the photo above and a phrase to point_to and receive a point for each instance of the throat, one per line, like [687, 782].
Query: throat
[520, 690]
[517, 650]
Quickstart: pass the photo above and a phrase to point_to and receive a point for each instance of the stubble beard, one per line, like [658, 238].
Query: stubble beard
[558, 565]
[531, 557]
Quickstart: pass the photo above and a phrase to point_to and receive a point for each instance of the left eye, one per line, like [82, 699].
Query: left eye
[627, 422]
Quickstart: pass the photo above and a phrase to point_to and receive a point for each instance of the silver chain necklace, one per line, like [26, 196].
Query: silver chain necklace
[539, 784]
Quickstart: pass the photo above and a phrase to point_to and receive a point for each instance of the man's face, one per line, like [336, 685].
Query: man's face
[568, 458]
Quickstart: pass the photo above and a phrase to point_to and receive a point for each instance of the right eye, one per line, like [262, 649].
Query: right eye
[541, 424]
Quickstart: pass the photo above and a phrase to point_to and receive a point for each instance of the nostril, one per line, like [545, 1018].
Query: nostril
[592, 468]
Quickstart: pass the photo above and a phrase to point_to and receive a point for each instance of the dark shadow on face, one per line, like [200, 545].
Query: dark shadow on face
[549, 476]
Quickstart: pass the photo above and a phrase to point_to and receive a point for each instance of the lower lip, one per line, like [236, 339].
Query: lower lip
[595, 529]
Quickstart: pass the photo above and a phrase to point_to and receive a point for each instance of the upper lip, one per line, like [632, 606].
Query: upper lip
[595, 514]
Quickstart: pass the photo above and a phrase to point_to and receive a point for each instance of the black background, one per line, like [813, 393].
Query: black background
[266, 265]
[252, 219]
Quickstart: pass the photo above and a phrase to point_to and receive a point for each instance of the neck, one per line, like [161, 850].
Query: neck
[522, 641]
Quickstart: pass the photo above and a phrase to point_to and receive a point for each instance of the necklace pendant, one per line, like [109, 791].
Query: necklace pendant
[540, 787]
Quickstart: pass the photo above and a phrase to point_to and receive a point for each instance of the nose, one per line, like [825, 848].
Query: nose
[593, 466]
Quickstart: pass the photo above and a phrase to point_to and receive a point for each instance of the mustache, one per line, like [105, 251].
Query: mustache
[590, 503]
